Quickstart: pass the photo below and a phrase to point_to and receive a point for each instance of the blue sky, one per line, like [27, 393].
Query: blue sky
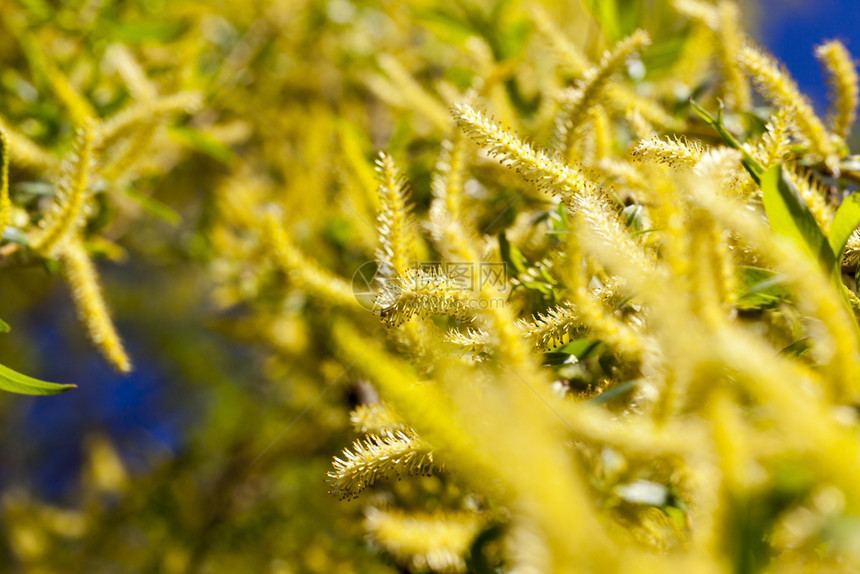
[792, 29]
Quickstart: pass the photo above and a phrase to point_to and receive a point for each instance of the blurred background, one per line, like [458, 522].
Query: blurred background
[211, 455]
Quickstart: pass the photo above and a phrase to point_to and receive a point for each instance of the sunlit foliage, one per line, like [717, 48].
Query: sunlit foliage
[581, 278]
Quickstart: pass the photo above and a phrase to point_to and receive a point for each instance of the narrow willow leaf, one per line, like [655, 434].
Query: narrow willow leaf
[607, 15]
[754, 168]
[614, 392]
[580, 349]
[846, 220]
[511, 255]
[204, 143]
[4, 326]
[760, 289]
[798, 348]
[790, 216]
[152, 206]
[15, 382]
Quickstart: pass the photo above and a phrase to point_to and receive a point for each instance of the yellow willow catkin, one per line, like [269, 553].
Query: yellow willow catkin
[437, 541]
[448, 182]
[804, 418]
[640, 128]
[730, 38]
[302, 270]
[127, 152]
[67, 212]
[704, 12]
[693, 64]
[425, 406]
[126, 65]
[553, 327]
[843, 83]
[396, 250]
[575, 186]
[408, 92]
[92, 310]
[622, 172]
[577, 102]
[474, 341]
[376, 418]
[584, 313]
[818, 299]
[602, 129]
[570, 56]
[5, 203]
[705, 267]
[722, 21]
[533, 464]
[24, 152]
[121, 123]
[452, 230]
[376, 458]
[813, 193]
[777, 86]
[711, 263]
[79, 108]
[422, 293]
[602, 324]
[670, 151]
[555, 177]
[624, 100]
[775, 146]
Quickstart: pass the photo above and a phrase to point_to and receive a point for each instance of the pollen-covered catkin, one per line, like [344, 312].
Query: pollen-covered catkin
[68, 212]
[5, 203]
[845, 93]
[91, 306]
[777, 86]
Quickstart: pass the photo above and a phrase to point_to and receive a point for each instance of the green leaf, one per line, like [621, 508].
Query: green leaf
[204, 143]
[581, 349]
[660, 57]
[559, 219]
[511, 255]
[790, 216]
[633, 217]
[134, 33]
[798, 348]
[754, 168]
[760, 289]
[617, 18]
[37, 9]
[846, 220]
[153, 206]
[15, 382]
[476, 559]
[4, 326]
[513, 38]
[615, 391]
[445, 26]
